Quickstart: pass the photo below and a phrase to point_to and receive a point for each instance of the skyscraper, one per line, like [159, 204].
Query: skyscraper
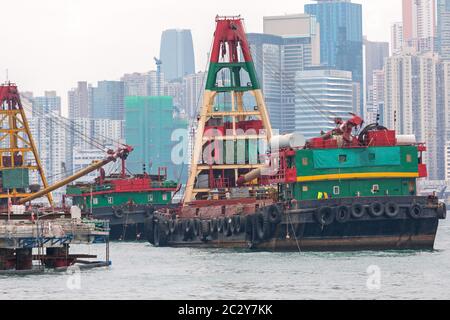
[396, 38]
[419, 22]
[107, 100]
[341, 40]
[443, 28]
[78, 99]
[290, 43]
[177, 53]
[321, 96]
[412, 101]
[376, 52]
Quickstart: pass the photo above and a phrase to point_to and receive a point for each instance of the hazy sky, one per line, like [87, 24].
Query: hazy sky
[52, 44]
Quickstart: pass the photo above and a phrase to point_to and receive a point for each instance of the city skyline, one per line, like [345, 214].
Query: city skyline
[87, 56]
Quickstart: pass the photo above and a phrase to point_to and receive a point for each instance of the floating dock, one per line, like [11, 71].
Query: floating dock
[38, 245]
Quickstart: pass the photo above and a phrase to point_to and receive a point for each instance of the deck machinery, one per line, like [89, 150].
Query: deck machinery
[32, 234]
[353, 188]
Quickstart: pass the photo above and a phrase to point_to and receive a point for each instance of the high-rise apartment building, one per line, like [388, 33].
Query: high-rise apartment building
[107, 100]
[49, 103]
[396, 38]
[143, 84]
[419, 24]
[341, 39]
[193, 89]
[177, 53]
[412, 101]
[78, 101]
[443, 28]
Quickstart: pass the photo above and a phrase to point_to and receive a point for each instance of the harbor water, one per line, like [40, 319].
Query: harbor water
[140, 271]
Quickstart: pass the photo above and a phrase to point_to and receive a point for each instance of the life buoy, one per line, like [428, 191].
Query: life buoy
[357, 210]
[118, 213]
[391, 209]
[342, 214]
[376, 209]
[274, 214]
[325, 216]
[415, 211]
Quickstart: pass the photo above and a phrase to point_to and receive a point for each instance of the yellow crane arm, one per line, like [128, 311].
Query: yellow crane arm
[113, 156]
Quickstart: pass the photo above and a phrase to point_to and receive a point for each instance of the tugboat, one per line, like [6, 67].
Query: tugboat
[124, 200]
[352, 188]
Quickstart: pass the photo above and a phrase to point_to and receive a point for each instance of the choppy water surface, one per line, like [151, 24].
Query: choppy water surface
[140, 271]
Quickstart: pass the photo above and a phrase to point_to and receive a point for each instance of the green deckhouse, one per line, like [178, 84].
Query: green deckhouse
[341, 173]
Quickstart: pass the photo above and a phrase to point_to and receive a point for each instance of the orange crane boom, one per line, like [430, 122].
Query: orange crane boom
[121, 153]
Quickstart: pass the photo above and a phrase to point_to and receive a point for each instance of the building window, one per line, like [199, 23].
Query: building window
[305, 161]
[110, 200]
[408, 158]
[336, 190]
[150, 198]
[95, 201]
[342, 158]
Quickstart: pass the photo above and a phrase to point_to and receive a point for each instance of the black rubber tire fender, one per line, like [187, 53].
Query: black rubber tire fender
[118, 213]
[148, 229]
[343, 214]
[214, 226]
[376, 209]
[325, 216]
[196, 227]
[172, 225]
[227, 226]
[220, 223]
[188, 226]
[249, 223]
[391, 209]
[205, 229]
[357, 210]
[274, 214]
[239, 224]
[415, 211]
[263, 226]
[160, 233]
[149, 211]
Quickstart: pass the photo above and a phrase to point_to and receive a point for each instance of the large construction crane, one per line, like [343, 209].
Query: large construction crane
[232, 75]
[19, 155]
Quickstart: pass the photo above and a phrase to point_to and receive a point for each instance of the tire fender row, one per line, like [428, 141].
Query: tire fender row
[327, 215]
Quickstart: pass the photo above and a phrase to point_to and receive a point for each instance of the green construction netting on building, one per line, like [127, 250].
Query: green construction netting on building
[149, 128]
